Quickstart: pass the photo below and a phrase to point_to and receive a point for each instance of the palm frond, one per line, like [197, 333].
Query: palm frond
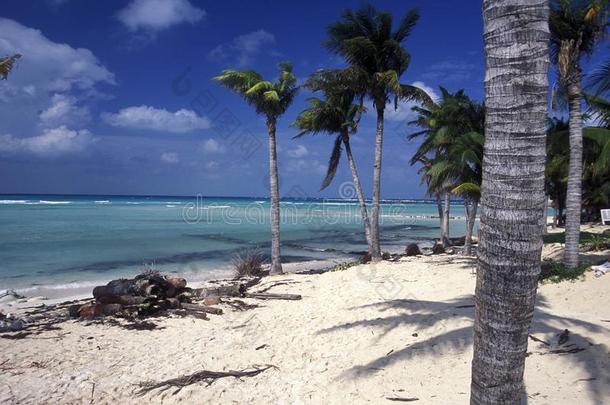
[333, 163]
[6, 65]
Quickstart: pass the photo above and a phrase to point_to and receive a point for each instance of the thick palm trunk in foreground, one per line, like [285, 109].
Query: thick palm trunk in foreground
[516, 45]
[276, 261]
[376, 253]
[574, 193]
[359, 193]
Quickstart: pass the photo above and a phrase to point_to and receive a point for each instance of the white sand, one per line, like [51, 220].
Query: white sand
[358, 336]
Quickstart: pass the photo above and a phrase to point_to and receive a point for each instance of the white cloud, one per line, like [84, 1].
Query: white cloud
[55, 141]
[169, 157]
[212, 165]
[404, 112]
[243, 49]
[306, 166]
[145, 117]
[298, 152]
[212, 146]
[64, 111]
[156, 15]
[47, 66]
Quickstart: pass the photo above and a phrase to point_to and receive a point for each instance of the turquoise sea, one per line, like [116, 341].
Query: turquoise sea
[64, 242]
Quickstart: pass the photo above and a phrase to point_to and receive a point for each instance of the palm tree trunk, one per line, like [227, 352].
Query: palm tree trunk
[445, 237]
[439, 205]
[276, 261]
[376, 253]
[359, 193]
[516, 38]
[574, 194]
[471, 214]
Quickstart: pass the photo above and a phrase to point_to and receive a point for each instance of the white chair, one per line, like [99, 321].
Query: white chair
[605, 216]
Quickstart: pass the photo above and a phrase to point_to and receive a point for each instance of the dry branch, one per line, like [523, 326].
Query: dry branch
[201, 376]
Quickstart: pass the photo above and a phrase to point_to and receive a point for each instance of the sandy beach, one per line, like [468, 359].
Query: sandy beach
[374, 333]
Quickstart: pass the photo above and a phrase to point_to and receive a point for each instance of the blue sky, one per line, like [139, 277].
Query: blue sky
[116, 97]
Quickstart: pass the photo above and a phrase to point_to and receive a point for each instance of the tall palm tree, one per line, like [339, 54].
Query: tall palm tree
[576, 27]
[557, 162]
[516, 40]
[335, 114]
[367, 42]
[6, 65]
[270, 99]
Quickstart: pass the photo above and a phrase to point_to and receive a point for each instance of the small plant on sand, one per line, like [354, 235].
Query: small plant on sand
[248, 263]
[553, 272]
[344, 266]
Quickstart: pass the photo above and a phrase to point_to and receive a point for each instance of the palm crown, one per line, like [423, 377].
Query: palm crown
[335, 114]
[268, 98]
[366, 40]
[576, 26]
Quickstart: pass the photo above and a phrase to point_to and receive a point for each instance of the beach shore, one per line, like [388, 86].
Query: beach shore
[367, 334]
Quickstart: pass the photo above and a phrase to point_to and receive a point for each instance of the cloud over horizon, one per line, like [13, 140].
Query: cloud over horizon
[51, 142]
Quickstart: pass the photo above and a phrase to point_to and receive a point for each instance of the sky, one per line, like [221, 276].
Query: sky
[116, 97]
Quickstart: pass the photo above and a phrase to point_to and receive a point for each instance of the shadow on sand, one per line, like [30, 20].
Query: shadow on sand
[435, 314]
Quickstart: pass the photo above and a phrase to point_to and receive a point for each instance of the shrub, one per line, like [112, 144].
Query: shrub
[248, 263]
[553, 272]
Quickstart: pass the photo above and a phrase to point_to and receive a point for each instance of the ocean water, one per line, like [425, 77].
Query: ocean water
[67, 242]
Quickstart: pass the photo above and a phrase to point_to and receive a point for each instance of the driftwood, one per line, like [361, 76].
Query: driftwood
[230, 290]
[399, 399]
[201, 376]
[268, 296]
[201, 308]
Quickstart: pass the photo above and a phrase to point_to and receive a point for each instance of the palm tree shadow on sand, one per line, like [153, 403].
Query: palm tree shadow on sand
[435, 315]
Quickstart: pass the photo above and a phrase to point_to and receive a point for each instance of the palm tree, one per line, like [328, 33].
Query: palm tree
[516, 53]
[335, 114]
[270, 99]
[6, 65]
[557, 162]
[576, 27]
[366, 40]
[453, 145]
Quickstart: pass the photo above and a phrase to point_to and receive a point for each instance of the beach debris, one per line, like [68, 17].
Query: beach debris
[152, 294]
[12, 323]
[201, 376]
[602, 269]
[366, 258]
[535, 339]
[412, 250]
[563, 337]
[401, 399]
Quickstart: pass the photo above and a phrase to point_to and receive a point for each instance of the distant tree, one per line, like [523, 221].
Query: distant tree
[335, 114]
[270, 99]
[576, 28]
[516, 39]
[367, 42]
[452, 131]
[6, 65]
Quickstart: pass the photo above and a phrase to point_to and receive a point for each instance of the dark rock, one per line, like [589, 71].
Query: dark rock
[438, 249]
[412, 250]
[386, 256]
[366, 258]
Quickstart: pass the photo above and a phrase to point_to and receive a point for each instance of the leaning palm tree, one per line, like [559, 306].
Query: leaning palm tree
[270, 99]
[366, 40]
[516, 87]
[576, 27]
[336, 114]
[6, 65]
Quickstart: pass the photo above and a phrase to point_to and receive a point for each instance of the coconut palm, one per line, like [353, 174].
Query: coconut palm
[335, 114]
[270, 99]
[576, 28]
[557, 162]
[6, 65]
[512, 198]
[453, 143]
[367, 42]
